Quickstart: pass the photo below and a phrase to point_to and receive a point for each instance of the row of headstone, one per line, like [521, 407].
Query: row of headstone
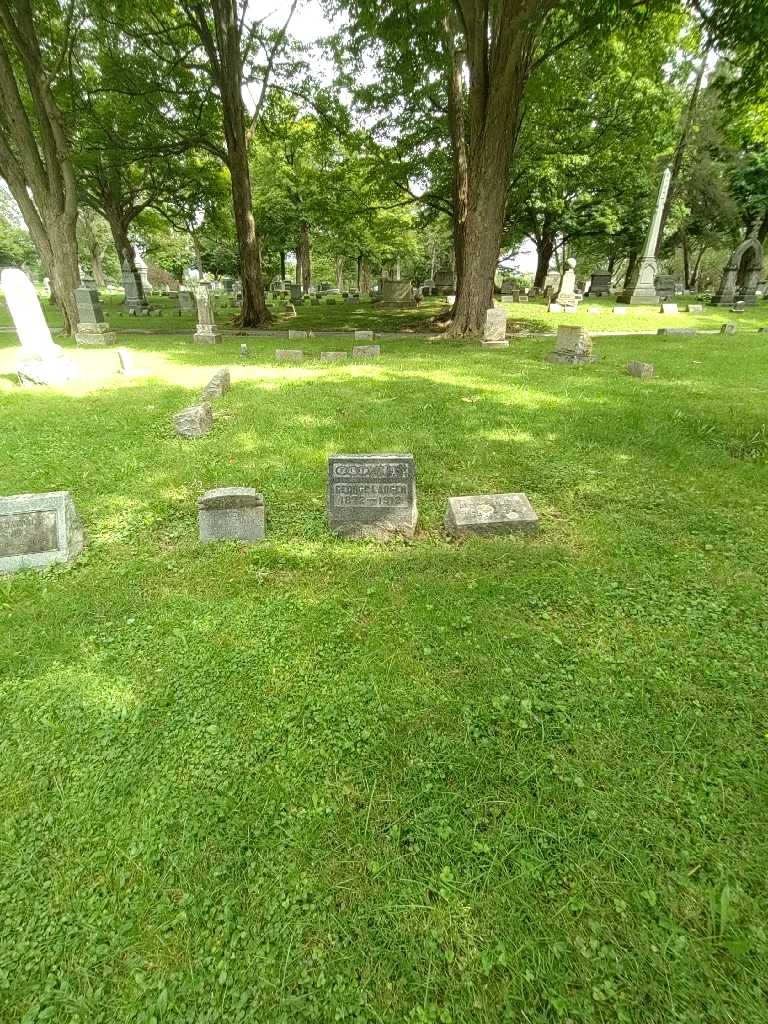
[297, 355]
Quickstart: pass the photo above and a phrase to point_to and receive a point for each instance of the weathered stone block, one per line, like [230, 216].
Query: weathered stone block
[488, 514]
[728, 329]
[366, 351]
[642, 370]
[495, 333]
[333, 357]
[289, 355]
[363, 335]
[372, 496]
[695, 307]
[218, 385]
[669, 308]
[194, 421]
[207, 336]
[94, 334]
[555, 307]
[37, 530]
[231, 513]
[574, 346]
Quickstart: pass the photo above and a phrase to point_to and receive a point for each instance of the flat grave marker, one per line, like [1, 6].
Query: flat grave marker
[37, 530]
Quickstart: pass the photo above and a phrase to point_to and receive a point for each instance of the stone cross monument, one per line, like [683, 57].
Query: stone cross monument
[641, 290]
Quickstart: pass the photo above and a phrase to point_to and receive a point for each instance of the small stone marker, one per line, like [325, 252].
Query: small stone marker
[555, 307]
[642, 370]
[695, 307]
[739, 307]
[194, 421]
[574, 346]
[37, 530]
[363, 335]
[495, 333]
[372, 496]
[218, 385]
[333, 357]
[289, 355]
[522, 297]
[677, 330]
[488, 514]
[206, 333]
[669, 308]
[366, 351]
[243, 351]
[728, 329]
[92, 328]
[294, 335]
[231, 513]
[620, 310]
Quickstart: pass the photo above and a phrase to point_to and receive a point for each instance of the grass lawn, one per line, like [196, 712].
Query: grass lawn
[499, 780]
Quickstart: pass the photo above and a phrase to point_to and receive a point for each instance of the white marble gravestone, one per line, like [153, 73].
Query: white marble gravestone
[43, 362]
[495, 330]
[206, 333]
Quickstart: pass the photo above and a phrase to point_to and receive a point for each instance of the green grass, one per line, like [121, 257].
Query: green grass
[313, 780]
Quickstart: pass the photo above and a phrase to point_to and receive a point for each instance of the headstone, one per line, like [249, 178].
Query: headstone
[600, 284]
[741, 275]
[289, 355]
[363, 335]
[231, 513]
[397, 294]
[641, 288]
[297, 293]
[728, 329]
[555, 307]
[665, 286]
[217, 386]
[489, 514]
[206, 333]
[695, 307]
[43, 361]
[134, 302]
[642, 370]
[495, 333]
[366, 351]
[372, 496]
[333, 357]
[677, 330]
[194, 421]
[739, 307]
[37, 530]
[186, 302]
[669, 308]
[293, 335]
[567, 294]
[619, 310]
[522, 297]
[574, 346]
[92, 328]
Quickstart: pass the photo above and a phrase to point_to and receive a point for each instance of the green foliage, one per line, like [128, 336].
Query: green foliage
[16, 247]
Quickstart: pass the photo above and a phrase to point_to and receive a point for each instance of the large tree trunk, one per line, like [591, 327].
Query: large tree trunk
[545, 249]
[197, 252]
[686, 262]
[35, 158]
[340, 273]
[500, 43]
[456, 115]
[682, 145]
[365, 277]
[282, 264]
[306, 257]
[254, 308]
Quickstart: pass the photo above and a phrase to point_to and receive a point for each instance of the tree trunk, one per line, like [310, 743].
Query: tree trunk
[682, 145]
[282, 264]
[254, 308]
[365, 277]
[98, 266]
[456, 115]
[545, 248]
[340, 273]
[305, 264]
[686, 262]
[696, 267]
[499, 55]
[35, 160]
[631, 261]
[359, 270]
[198, 254]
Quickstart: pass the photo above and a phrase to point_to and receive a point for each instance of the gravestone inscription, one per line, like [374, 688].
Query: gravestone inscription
[372, 496]
[488, 514]
[37, 530]
[231, 513]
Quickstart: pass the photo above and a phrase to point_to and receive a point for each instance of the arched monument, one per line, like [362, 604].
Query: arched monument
[741, 275]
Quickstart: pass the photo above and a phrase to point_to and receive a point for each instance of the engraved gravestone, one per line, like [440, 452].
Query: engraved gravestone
[92, 328]
[37, 530]
[206, 333]
[231, 513]
[495, 331]
[488, 514]
[372, 496]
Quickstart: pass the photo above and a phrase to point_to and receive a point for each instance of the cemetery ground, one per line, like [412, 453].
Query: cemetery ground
[312, 779]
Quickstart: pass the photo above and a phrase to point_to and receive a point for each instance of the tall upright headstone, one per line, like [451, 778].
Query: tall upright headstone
[641, 290]
[567, 294]
[43, 361]
[92, 328]
[206, 333]
[397, 294]
[135, 301]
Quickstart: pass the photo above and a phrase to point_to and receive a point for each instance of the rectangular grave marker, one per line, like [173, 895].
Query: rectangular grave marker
[37, 530]
[231, 513]
[372, 496]
[488, 514]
